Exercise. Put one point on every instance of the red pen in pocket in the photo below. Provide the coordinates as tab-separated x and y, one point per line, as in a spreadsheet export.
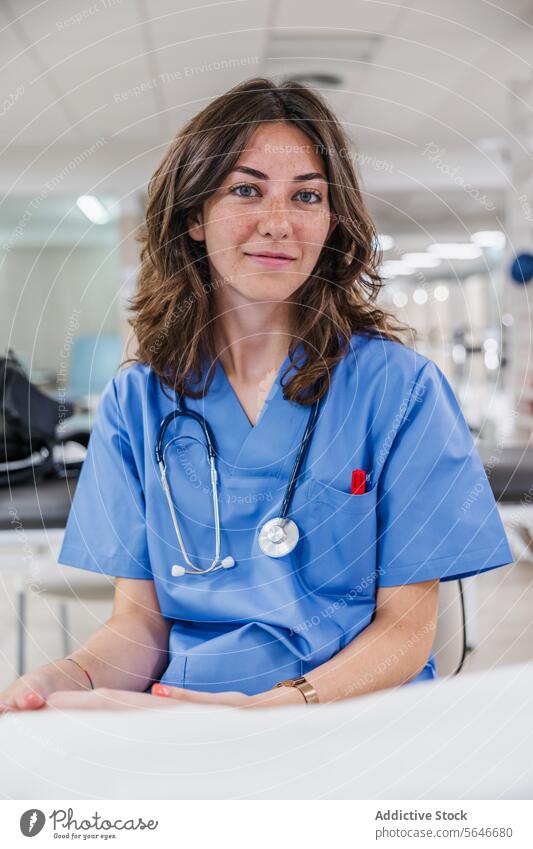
358	482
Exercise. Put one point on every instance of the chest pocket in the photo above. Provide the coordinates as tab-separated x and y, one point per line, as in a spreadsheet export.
339	547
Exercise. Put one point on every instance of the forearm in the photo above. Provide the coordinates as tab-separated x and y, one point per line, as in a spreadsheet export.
128	652
386	654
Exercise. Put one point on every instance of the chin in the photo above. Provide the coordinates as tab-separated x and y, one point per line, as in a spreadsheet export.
265	292
270	286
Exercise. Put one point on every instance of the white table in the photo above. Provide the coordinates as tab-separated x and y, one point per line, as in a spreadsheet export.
466	738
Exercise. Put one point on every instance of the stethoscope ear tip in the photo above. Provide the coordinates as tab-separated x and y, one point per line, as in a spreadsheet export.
227	562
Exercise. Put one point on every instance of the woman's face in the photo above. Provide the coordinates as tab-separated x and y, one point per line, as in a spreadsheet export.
266	224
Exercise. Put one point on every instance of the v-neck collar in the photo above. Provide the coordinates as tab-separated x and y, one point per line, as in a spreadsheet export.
266	448
239	409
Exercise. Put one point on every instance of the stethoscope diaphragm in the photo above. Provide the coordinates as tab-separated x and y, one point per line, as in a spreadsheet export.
278	537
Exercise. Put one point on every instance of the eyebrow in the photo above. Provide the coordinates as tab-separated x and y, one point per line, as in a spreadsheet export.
313	175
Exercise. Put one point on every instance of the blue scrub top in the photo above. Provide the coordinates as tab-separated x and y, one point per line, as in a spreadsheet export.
428	511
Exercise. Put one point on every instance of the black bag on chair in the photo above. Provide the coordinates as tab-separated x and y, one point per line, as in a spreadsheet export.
28	420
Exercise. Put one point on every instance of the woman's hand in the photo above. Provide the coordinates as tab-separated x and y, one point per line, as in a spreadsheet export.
31	691
181	694
278	697
162	696
106	698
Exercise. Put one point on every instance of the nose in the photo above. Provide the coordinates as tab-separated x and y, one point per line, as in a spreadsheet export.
274	222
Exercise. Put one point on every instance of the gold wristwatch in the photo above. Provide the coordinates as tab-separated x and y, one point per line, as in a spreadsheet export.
306	689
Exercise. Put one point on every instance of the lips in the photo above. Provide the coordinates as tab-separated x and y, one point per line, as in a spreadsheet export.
270	255
271	260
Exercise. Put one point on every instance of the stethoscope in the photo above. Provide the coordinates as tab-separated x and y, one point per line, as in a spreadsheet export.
277	537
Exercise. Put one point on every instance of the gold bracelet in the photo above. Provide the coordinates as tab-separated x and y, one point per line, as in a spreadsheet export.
302	684
82	669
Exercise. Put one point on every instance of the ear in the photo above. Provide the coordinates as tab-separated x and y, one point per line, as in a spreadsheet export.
196	227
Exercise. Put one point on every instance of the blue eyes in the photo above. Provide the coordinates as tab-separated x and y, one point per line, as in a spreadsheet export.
309	192
312	194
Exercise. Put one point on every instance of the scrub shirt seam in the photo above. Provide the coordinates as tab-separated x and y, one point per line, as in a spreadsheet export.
404	419
122	557
430	560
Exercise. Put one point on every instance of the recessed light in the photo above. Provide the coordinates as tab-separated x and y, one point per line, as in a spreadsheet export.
400	299
421	260
93	209
420	296
384	242
455	250
394	267
489	239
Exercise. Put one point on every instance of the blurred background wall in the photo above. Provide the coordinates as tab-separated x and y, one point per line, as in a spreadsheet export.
436	100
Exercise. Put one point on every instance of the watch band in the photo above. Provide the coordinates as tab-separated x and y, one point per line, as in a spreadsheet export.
302	684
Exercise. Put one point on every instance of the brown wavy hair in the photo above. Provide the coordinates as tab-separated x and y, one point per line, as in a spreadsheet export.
173	316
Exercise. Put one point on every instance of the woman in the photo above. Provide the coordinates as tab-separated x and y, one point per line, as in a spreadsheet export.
256	309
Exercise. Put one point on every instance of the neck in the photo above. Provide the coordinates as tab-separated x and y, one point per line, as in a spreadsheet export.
252	339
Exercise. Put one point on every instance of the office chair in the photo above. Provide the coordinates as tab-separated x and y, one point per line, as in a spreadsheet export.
450	645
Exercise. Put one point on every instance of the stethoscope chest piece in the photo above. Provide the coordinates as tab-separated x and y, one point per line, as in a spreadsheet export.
278	537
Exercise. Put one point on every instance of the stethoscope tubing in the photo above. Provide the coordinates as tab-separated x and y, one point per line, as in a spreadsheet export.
302	451
210	445
182	411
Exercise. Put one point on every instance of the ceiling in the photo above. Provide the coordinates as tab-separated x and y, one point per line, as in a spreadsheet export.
95	91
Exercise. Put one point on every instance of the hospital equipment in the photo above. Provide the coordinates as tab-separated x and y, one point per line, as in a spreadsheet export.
278	537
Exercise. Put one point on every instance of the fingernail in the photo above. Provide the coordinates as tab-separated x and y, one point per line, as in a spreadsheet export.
33	699
160	690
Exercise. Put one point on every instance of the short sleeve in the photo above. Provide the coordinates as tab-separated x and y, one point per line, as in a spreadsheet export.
106	527
436	514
